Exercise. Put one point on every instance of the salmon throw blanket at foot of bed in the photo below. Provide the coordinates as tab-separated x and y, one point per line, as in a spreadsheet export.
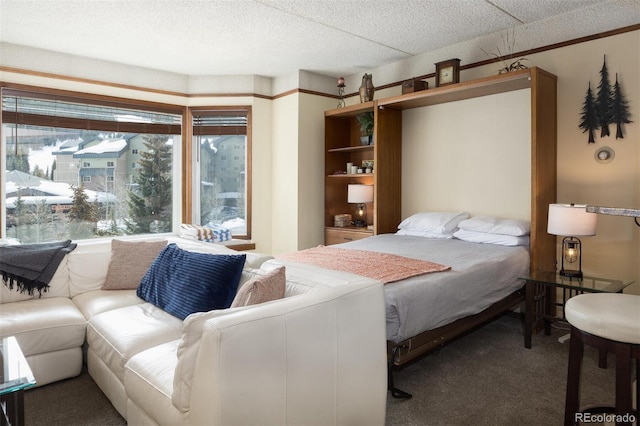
371	264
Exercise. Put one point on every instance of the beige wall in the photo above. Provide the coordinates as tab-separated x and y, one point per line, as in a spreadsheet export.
311	173
615	250
284	224
298	178
472	155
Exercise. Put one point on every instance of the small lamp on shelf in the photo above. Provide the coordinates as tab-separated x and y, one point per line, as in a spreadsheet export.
360	195
571	221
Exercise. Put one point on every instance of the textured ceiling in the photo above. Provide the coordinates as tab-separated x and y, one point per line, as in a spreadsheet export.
274	38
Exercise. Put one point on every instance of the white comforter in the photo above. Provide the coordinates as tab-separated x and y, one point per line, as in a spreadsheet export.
481	275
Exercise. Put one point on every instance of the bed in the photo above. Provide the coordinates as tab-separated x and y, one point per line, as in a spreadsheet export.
501	163
426	310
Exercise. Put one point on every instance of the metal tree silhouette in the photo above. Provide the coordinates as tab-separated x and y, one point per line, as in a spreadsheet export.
589	118
603	103
619	109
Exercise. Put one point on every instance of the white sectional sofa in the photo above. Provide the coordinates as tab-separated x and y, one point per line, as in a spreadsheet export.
318	356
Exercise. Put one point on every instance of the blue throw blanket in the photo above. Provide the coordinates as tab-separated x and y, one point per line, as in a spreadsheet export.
30	267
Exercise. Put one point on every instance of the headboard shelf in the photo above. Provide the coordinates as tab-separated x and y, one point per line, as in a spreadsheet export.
491	85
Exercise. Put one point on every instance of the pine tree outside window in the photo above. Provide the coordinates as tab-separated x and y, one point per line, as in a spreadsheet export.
82	149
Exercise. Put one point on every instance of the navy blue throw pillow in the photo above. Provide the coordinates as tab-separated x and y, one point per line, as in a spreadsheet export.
182	282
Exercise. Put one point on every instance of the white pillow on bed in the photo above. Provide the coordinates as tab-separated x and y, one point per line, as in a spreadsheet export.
487	238
496	225
424	234
433	222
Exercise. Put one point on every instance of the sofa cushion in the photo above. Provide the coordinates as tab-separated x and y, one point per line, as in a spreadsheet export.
117	335
148	380
88	265
130	260
262	289
43	325
182	282
97	301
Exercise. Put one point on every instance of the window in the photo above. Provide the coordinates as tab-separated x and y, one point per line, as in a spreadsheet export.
64	164
222	182
134	151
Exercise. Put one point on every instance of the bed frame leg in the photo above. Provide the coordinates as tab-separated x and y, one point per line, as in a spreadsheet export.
395	392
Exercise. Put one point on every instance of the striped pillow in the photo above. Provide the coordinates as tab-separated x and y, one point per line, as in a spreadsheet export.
182	282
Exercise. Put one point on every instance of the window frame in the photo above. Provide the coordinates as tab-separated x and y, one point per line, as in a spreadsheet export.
180	167
191	154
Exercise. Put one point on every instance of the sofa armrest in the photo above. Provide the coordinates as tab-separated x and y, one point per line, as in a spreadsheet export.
315	358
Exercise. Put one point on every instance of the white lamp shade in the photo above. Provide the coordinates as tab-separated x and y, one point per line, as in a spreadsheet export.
360	194
571	220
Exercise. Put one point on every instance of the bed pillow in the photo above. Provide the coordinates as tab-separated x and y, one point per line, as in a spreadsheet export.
425	234
483	237
434	222
496	225
130	260
261	289
182	282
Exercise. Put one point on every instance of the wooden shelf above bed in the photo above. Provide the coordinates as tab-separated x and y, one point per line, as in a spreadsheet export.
492	85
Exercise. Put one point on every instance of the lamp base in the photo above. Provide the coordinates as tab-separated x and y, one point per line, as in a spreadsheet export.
571	273
359	223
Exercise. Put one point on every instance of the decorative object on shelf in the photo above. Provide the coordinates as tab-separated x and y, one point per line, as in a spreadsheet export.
365	120
507	54
366	88
341	86
367	164
342	220
414	85
571	221
607	107
447	72
589	116
360	195
604	155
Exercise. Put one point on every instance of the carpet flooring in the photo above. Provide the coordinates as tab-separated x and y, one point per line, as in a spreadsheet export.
484	378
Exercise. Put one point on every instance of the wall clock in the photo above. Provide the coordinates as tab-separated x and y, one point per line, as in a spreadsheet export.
447	72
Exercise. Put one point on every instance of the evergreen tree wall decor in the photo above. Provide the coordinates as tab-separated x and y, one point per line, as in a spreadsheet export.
589	119
603	102
607	107
619	109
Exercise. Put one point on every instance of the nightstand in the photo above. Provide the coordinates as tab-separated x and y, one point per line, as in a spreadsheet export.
540	300
336	235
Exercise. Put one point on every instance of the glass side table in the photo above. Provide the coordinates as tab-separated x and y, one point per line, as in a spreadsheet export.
540	297
15	377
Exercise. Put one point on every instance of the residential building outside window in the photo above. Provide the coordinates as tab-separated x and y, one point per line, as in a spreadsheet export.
55	143
222	183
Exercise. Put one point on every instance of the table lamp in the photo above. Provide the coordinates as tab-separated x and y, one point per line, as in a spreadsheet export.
360	195
571	221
